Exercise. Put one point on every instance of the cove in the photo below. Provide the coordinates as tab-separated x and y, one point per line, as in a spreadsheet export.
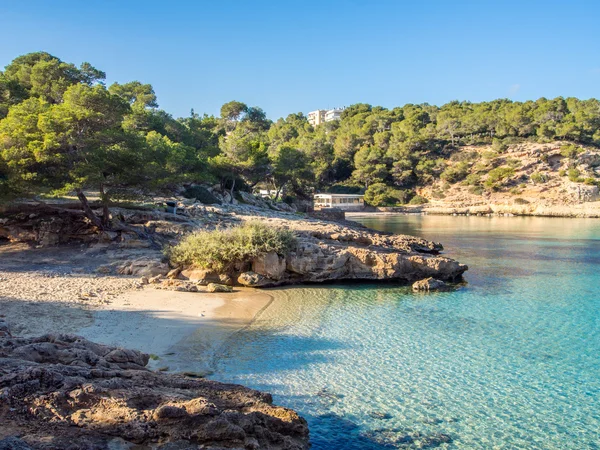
510	359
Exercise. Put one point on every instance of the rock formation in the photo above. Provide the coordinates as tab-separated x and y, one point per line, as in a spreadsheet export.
62	391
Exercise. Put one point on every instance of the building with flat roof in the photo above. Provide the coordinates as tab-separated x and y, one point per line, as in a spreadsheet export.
316	117
324	115
333	114
346	202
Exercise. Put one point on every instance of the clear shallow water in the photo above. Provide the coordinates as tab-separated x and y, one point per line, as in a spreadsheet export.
511	360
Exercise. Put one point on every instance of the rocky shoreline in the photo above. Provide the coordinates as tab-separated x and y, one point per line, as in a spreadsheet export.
325	251
62	391
584	210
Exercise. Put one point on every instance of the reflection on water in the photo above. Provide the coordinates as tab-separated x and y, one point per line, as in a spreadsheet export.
511	360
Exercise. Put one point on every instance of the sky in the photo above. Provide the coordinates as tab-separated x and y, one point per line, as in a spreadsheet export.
298	56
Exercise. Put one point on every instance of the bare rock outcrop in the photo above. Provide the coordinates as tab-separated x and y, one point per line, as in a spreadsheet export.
428	284
318	260
62	391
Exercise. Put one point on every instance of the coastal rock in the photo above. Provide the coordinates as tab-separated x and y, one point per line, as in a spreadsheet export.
144	267
174	273
271	265
428	284
62	391
215	287
201	276
253	279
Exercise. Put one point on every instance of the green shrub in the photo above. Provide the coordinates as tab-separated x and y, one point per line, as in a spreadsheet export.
499	146
220	250
521	201
562	172
538	178
473	179
477	190
512	162
380	194
455	173
437	193
570	151
573	175
418	200
591	181
496	177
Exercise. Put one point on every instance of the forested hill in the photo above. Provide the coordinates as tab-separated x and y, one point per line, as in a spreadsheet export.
63	130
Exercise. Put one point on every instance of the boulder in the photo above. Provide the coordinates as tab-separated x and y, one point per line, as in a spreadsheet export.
174	273
271	265
144	267
428	284
253	279
201	276
215	287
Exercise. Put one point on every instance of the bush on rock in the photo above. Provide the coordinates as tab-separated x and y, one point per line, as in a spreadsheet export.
220	250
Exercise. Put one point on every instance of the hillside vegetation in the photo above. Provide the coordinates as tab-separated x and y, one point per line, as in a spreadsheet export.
63	130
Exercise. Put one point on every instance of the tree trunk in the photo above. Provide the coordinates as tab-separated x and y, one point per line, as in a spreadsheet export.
87	210
232	186
279	191
105	211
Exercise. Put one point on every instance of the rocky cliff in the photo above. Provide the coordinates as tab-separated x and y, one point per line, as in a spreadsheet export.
62	391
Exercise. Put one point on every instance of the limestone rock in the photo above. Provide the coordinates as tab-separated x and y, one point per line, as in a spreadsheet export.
428	284
271	265
174	273
62	391
253	279
144	267
201	276
215	287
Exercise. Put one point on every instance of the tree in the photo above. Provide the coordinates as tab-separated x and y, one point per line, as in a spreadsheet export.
290	166
370	166
138	95
232	111
74	145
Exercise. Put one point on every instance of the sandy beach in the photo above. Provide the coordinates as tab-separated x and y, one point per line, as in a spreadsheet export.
44	291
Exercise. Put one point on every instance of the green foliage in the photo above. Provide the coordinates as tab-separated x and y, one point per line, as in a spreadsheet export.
340	188
521	201
379	194
455	173
570	151
221	250
538	178
573	175
472	179
498	176
62	129
418	200
477	190
499	146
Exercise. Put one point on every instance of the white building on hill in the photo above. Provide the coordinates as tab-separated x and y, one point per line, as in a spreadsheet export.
324	115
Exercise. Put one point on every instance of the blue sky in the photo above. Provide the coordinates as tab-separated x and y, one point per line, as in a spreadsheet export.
291	56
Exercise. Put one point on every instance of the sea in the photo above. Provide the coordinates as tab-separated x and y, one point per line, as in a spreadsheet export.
507	359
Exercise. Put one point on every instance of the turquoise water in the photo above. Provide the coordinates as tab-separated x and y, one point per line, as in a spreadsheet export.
510	360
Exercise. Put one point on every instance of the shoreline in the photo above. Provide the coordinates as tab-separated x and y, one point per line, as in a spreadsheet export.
488	211
180	330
